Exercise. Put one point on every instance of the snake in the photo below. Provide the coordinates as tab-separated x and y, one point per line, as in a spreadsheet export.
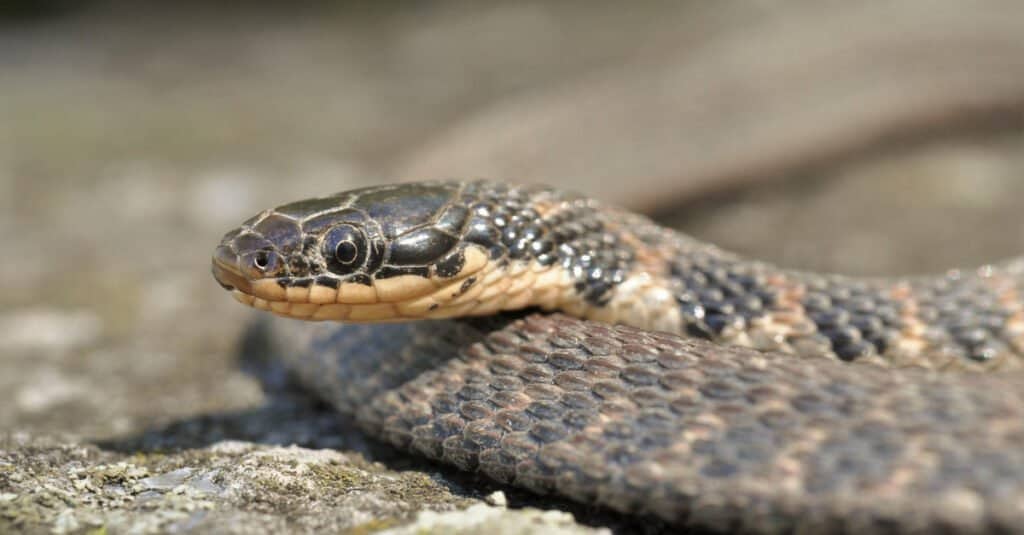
559	344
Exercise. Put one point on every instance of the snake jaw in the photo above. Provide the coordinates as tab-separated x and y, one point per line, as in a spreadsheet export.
396	298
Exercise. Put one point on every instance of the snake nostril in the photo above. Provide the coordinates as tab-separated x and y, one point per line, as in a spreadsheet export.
261	260
258	264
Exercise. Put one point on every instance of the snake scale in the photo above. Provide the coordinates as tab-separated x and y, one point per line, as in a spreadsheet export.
646	371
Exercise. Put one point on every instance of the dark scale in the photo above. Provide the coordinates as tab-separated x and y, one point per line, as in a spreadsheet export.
716	292
504	221
967	317
859	319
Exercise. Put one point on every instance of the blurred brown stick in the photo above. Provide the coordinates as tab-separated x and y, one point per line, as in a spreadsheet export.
803	88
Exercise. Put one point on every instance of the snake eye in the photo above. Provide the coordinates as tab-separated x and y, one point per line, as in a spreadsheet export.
346	252
344	249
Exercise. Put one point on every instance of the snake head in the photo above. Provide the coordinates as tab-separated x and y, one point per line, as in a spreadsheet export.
375	254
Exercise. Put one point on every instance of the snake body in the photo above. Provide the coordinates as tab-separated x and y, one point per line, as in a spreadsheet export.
669	377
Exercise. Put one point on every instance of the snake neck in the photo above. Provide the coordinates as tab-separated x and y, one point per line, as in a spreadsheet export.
605	264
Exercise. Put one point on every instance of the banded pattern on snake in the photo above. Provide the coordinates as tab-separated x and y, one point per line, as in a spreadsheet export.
645	392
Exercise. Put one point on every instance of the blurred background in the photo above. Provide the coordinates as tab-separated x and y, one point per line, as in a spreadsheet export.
867	139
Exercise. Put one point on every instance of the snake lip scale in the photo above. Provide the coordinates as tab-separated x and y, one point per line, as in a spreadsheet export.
668	376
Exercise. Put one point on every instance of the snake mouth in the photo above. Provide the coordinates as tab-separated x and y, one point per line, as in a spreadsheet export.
227	272
394	298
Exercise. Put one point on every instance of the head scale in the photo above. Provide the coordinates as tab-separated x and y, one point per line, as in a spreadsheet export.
371	254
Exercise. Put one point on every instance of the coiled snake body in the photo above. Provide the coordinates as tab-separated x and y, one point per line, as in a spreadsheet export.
669	377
